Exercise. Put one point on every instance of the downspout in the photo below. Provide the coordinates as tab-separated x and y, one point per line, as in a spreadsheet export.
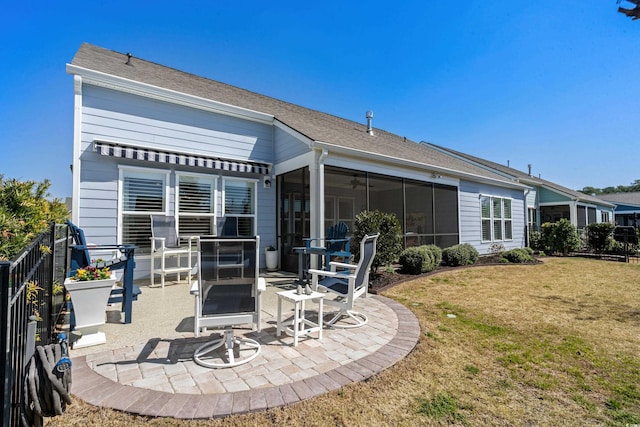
316	177
527	232
77	141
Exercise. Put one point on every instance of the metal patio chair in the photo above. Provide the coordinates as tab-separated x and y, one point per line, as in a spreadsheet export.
348	285
227	293
166	244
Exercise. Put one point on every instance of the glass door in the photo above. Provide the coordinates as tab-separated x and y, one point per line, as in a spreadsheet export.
293	190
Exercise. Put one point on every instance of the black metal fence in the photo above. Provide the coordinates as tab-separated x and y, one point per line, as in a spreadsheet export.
31	286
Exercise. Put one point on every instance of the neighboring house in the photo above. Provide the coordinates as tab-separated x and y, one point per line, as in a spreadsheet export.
627	210
546	200
152	139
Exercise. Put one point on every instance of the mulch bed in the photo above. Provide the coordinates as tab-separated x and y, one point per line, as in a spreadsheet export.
383	280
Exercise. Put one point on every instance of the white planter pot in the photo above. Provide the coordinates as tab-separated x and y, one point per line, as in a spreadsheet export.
89	299
271	259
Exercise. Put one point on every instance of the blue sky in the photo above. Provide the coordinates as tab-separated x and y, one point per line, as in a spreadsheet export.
555	84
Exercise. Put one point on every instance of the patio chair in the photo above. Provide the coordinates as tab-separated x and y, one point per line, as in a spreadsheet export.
227	226
166	244
227	294
119	257
348	285
335	244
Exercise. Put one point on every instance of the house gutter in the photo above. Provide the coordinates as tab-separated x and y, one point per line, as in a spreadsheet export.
413	164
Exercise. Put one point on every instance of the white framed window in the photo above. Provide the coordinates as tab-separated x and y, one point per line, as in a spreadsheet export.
195	204
239	201
485	209
142	192
604	216
496	218
507	220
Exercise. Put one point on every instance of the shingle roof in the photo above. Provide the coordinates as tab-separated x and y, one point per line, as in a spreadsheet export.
524	177
622	198
316	125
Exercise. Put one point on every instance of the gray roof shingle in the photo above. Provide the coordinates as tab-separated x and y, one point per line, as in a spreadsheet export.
316	125
632	198
525	177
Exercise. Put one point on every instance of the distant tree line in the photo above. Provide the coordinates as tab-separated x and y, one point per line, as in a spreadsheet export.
635	186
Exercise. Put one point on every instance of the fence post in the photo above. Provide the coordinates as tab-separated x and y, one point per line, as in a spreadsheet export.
5	368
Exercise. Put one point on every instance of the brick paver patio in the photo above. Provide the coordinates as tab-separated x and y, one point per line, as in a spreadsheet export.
159	378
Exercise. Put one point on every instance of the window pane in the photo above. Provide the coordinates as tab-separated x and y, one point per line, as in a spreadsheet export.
136	230
143	194
507	208
497	207
245	226
507	230
195	226
485	207
486	229
195	194
239	197
497	230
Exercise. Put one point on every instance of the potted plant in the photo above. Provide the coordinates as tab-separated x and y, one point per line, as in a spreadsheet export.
89	290
271	258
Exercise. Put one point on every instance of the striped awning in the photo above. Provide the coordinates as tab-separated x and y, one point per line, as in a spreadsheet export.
172	158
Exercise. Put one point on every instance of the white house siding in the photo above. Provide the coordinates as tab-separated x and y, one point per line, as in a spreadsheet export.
130	119
470	216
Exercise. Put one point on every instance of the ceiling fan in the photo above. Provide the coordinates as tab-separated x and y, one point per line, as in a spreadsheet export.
355	182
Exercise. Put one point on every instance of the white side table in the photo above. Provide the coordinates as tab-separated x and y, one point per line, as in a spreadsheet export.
301	325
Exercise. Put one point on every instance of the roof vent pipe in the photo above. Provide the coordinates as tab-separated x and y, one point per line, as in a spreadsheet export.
529	166
369	117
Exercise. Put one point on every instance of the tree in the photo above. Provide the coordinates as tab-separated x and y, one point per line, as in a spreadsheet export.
633	13
25	212
591	190
635	186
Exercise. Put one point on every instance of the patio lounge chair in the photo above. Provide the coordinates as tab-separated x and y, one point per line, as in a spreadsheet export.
334	244
349	284
165	244
227	294
120	257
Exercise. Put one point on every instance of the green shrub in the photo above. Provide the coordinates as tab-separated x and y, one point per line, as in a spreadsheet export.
436	252
463	254
536	241
517	256
389	244
599	236
473	253
560	236
25	212
417	260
